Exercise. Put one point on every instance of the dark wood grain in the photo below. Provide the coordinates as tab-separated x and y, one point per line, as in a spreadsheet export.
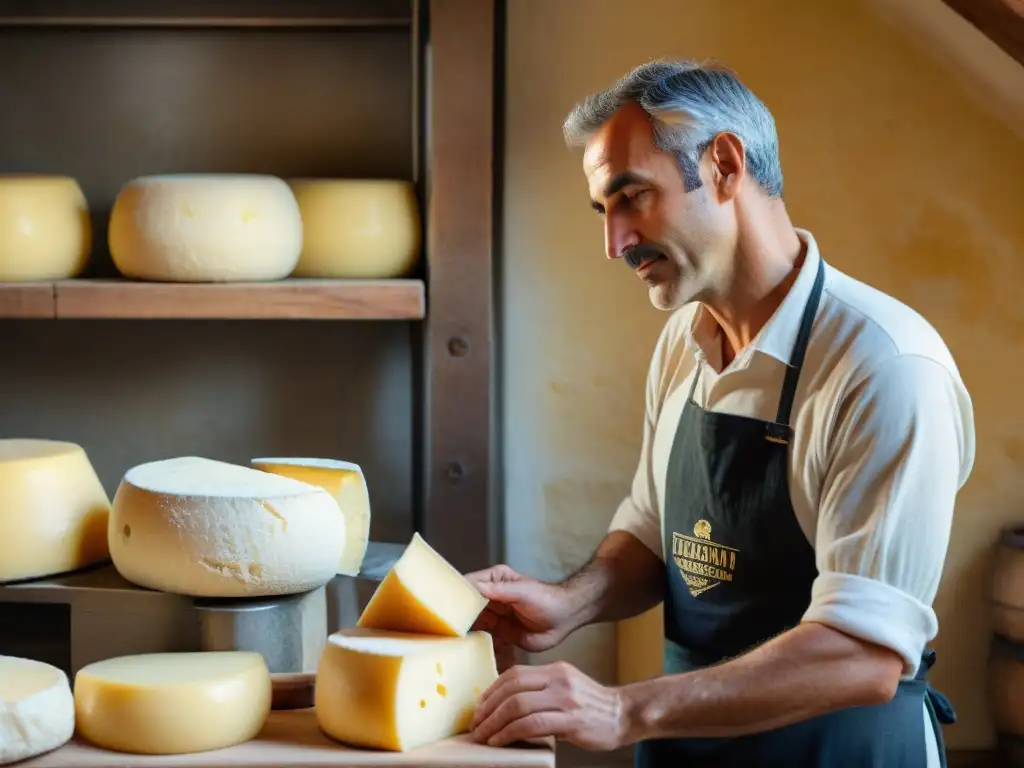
1001	20
33	301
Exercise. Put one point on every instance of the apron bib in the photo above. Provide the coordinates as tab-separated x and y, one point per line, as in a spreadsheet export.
739	571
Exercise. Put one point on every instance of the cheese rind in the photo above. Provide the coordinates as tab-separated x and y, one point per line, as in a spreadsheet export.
346	483
358	228
45	229
37	711
205	228
173	703
53	509
397	691
423	593
195	526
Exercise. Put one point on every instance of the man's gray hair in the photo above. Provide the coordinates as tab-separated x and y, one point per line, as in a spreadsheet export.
689	102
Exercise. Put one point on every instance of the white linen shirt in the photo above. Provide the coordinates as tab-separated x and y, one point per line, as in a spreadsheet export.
883	439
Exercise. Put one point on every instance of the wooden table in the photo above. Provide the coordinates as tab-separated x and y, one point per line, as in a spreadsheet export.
292	739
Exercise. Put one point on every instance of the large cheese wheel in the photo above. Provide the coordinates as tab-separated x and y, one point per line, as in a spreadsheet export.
395	691
45	231
206	528
173	703
205	228
53	509
37	711
346	483
358	228
423	593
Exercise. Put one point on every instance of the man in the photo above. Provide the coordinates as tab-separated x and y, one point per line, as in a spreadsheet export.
804	442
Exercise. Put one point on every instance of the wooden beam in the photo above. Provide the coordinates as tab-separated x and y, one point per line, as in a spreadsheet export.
457	515
1002	21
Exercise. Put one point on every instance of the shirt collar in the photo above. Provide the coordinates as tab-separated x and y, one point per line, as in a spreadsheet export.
777	336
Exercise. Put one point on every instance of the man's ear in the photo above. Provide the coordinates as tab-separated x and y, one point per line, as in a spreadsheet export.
727	157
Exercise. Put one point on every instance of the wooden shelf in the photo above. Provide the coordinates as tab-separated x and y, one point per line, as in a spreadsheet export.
291	299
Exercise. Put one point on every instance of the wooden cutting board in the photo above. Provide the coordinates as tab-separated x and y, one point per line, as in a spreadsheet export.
292	738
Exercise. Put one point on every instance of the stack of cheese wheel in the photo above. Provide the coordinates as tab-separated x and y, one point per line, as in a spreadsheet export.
412	670
358	228
45	231
199	527
196	228
53	510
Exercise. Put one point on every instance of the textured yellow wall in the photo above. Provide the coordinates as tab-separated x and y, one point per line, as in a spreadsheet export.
903	152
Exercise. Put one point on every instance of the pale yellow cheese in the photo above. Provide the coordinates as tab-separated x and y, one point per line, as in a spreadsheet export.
205	228
346	483
45	230
195	526
173	703
358	228
423	593
37	712
53	509
395	691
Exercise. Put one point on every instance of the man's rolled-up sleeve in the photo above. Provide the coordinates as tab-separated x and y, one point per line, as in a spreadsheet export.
901	447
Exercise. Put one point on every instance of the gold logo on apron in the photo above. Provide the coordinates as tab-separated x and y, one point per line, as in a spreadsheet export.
702	563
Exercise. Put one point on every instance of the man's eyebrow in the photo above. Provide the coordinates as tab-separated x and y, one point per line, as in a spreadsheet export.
618	182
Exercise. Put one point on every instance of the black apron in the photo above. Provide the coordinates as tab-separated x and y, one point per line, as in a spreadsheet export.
739	571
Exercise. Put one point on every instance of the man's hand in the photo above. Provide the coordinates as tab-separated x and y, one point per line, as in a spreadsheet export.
551	700
522	612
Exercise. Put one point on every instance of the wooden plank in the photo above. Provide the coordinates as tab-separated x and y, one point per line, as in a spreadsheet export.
457	515
33	301
1002	21
284	300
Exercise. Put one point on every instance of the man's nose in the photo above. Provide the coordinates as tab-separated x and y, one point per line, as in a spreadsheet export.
618	238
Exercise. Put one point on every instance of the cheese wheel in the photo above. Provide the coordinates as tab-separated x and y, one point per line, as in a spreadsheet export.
194	526
423	593
37	711
53	510
345	482
45	231
205	228
396	691
173	703
357	228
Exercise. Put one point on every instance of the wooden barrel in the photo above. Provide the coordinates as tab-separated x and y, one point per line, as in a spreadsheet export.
1006	657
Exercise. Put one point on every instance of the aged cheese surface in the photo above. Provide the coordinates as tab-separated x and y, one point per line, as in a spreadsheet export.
346	483
396	691
45	230
53	509
205	228
195	526
423	593
357	228
173	703
37	711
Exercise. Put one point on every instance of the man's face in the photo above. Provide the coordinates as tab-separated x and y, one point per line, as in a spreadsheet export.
669	237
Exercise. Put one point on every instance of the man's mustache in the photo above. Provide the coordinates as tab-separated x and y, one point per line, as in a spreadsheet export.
638	254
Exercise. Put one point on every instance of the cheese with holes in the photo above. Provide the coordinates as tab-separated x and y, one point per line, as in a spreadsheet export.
53	509
423	593
397	691
346	483
45	230
358	228
37	711
206	528
205	228
173	703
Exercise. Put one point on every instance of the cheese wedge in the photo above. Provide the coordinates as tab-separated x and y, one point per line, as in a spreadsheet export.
37	711
173	703
423	593
345	482
53	510
205	528
395	691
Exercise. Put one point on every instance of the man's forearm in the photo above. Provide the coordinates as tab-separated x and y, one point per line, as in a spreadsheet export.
803	673
623	579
